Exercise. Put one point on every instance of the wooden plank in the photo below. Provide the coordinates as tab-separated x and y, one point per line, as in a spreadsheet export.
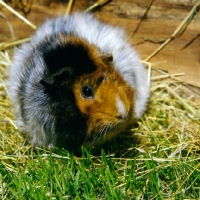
164	16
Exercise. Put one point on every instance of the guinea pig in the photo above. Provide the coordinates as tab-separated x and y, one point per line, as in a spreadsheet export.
78	82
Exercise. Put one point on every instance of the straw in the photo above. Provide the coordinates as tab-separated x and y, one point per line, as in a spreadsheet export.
69	7
184	23
97	4
18	15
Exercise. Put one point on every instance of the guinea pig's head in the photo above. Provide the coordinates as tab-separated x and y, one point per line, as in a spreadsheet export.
105	99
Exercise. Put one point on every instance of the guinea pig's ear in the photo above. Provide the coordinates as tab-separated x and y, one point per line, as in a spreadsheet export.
107	57
60	75
47	81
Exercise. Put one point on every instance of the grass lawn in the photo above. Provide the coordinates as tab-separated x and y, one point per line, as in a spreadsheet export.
157	159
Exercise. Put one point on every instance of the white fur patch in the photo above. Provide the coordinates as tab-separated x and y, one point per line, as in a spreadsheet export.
121	108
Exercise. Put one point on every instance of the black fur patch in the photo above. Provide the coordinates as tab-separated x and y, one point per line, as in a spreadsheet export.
65	63
58	56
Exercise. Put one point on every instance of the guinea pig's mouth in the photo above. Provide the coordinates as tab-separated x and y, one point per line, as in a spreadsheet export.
102	129
107	129
104	134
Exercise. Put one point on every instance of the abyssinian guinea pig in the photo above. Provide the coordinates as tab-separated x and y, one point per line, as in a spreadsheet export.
77	82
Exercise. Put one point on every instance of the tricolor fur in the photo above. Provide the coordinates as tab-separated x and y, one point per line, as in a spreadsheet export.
77	81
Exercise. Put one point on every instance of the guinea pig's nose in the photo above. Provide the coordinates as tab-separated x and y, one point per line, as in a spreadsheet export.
122	116
122	109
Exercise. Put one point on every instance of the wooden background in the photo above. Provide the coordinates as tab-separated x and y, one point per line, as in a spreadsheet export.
145	32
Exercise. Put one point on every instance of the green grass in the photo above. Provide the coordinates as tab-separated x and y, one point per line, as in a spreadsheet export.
104	177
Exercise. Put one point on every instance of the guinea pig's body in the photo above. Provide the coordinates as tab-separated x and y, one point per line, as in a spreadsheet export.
76	82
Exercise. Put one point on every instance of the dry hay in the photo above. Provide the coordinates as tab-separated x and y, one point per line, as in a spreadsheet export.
171	123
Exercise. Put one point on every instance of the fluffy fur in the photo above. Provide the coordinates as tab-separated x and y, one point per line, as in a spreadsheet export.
67	58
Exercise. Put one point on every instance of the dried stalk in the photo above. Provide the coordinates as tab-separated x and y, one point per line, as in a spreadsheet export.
98	3
69	7
154	78
18	15
4	46
186	105
186	21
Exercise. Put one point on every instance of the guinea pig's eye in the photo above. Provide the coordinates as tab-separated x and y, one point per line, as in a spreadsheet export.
87	92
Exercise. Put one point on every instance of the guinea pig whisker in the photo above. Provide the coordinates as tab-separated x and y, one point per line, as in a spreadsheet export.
107	129
101	131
